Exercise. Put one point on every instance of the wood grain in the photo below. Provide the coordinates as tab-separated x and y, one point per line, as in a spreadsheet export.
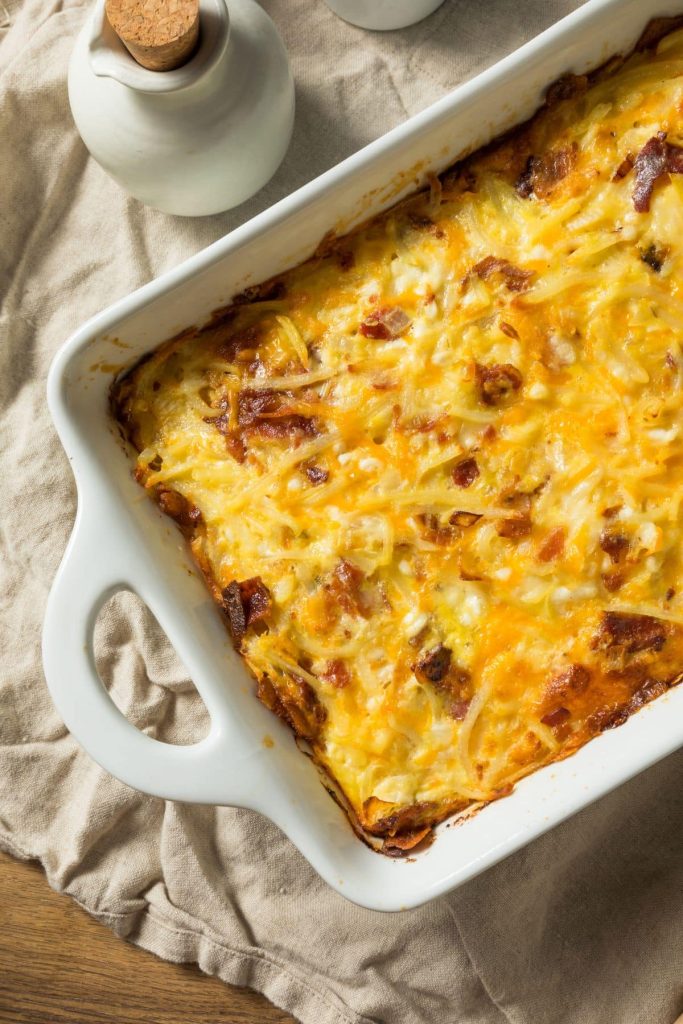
59	966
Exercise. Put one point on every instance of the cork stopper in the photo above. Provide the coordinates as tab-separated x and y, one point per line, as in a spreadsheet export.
159	34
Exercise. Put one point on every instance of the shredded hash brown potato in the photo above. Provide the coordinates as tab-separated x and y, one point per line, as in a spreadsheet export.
433	475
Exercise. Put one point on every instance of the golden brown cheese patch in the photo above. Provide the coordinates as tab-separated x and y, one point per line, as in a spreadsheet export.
431	476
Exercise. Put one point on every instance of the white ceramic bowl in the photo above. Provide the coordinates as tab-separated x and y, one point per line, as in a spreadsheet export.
120	540
383	14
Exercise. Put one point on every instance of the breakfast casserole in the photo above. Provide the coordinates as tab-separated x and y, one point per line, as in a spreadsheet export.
431	476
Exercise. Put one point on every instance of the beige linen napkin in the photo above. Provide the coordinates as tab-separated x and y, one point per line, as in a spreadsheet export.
586	925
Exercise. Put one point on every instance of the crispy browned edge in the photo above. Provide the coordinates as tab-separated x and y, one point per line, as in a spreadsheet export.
411	829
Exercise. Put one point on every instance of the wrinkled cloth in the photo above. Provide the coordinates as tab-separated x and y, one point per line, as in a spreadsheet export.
585	926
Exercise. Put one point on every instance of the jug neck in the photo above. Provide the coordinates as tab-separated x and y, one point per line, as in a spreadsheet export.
109	58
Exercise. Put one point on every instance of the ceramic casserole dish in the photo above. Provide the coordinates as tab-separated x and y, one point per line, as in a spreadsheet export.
121	542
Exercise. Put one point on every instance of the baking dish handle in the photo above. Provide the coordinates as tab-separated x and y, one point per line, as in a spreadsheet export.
207	772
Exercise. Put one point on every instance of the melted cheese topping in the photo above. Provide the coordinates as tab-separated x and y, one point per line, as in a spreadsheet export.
331	457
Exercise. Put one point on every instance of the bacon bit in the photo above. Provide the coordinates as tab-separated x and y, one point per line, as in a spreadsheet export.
237	448
514	529
344	588
670	594
607	718
556	717
248	338
631	633
434	530
613	581
256	600
465	473
264	413
489	434
407	819
553	546
615	545
317	475
542	173
524	186
298	705
267	413
396	846
175	505
385	323
624	168
516	279
464	519
649	690
565	88
348	574
252	405
307	701
573	680
244	604
612	511
221	423
433	667
508	329
337	673
234	609
437	668
657	158
654	256
497	382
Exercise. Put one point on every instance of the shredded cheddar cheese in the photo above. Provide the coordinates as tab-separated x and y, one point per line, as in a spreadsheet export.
433	476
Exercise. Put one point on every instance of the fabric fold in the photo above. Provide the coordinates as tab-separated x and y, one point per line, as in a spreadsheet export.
585	926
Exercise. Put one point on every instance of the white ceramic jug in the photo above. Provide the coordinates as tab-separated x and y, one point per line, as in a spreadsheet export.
196	140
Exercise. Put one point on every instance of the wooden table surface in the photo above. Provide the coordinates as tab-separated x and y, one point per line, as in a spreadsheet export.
59	966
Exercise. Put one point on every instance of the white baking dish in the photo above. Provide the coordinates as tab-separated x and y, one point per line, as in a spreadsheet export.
120	540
